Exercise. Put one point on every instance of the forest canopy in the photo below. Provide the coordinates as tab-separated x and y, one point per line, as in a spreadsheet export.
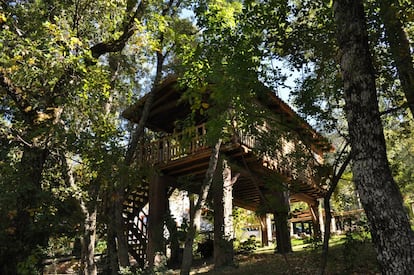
68	69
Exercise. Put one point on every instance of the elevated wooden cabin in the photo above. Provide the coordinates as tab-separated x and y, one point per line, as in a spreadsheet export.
175	159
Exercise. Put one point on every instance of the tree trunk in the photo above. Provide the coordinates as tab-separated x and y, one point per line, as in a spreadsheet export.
89	210
223	219
380	196
399	47
189	242
88	243
328	215
28	235
283	244
121	239
111	250
208	179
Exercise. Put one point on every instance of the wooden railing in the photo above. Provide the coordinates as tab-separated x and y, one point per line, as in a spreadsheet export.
192	140
174	146
280	162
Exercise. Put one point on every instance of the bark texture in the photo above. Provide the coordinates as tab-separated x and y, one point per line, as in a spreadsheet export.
283	244
380	196
223	219
88	243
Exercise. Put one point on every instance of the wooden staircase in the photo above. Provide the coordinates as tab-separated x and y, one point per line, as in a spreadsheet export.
135	214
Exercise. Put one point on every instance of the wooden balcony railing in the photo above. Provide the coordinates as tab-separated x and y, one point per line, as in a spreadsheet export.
192	140
173	147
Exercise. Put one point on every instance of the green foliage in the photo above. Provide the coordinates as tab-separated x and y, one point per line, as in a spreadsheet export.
160	268
59	99
66	101
60	246
313	243
228	57
351	251
243	218
345	197
400	144
30	265
248	246
299	206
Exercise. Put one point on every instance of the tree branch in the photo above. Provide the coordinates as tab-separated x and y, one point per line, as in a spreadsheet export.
393	110
128	30
17	95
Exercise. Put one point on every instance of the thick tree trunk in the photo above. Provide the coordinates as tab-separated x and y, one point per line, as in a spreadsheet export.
121	238
283	244
208	179
380	196
88	243
223	219
281	212
399	47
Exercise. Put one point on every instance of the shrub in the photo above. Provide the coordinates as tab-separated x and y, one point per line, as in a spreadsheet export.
248	246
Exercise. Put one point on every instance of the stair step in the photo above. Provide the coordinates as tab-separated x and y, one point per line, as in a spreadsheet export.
136	228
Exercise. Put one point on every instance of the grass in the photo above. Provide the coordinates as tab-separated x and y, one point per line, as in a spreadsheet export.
345	257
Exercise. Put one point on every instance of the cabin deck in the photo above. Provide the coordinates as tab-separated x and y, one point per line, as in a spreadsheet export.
186	154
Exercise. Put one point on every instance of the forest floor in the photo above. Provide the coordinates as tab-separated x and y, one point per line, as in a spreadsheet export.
345	257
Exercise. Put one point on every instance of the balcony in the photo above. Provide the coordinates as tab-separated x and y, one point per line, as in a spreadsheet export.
191	144
173	147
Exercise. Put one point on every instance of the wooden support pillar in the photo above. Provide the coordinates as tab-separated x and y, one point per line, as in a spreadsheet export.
269	229
223	218
321	216
264	230
314	209
333	225
283	243
157	210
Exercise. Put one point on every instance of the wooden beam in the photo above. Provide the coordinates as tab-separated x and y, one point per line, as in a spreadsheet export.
305	198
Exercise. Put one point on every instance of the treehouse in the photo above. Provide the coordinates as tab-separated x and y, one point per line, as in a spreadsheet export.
265	182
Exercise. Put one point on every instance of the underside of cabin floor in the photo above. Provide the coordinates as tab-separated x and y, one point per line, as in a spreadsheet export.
255	182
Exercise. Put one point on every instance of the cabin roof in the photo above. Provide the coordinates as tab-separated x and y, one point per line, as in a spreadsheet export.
167	108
